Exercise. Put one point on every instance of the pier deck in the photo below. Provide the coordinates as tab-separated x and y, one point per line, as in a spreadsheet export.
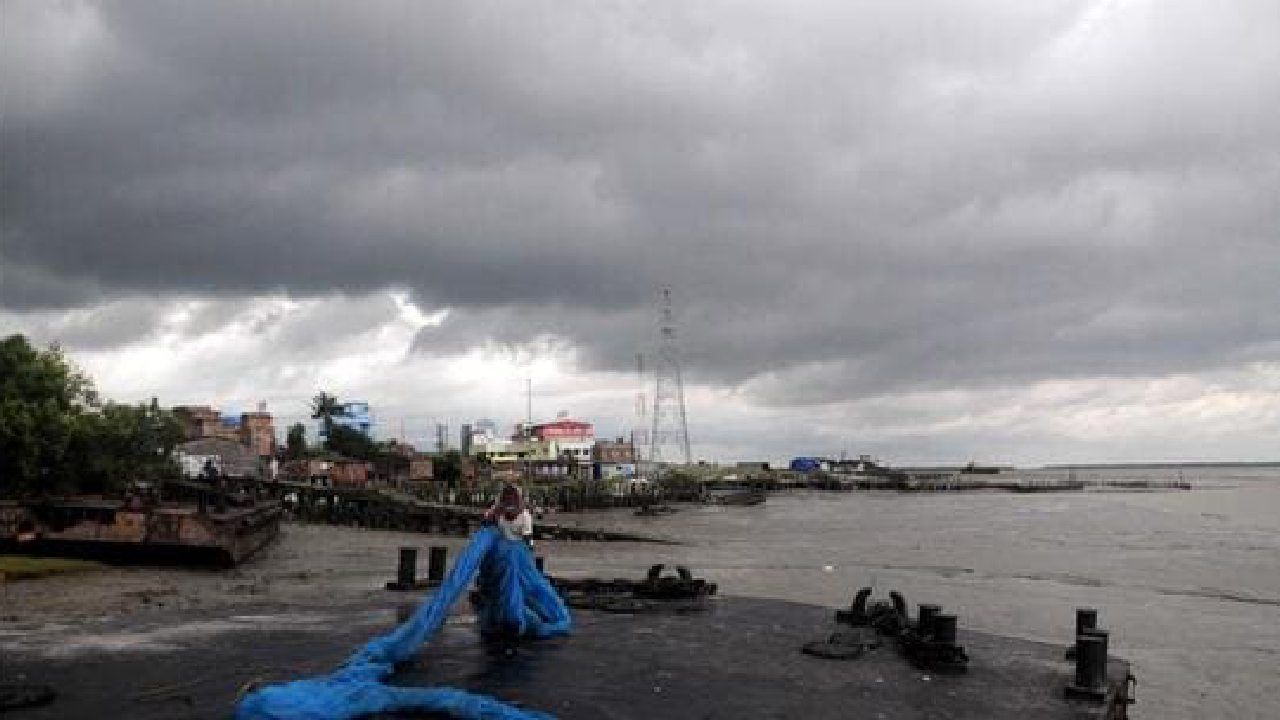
740	659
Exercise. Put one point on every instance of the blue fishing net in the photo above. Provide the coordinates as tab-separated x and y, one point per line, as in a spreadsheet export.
515	596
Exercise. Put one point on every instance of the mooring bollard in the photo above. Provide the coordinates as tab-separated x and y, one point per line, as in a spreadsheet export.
928	614
931	641
1091	666
1086	619
437	560
540	563
944	629
406	570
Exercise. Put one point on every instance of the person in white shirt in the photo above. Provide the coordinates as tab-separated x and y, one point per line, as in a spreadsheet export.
511	515
513	519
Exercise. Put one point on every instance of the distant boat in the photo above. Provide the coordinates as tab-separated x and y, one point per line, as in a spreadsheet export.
863	467
737	497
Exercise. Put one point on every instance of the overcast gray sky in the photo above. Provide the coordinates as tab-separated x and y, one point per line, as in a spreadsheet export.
934	231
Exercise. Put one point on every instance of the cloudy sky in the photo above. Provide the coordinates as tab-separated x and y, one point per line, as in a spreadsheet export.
998	230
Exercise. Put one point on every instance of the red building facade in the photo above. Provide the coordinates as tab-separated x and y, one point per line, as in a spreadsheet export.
564	430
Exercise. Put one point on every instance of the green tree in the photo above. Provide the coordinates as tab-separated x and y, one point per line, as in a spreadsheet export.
55	437
42	399
448	467
296	442
340	439
351	443
325	407
120	442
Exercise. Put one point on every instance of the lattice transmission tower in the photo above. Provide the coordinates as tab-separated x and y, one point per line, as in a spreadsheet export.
640	430
669	433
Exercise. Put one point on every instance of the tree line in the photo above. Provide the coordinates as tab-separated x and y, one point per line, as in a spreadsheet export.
58	436
340	439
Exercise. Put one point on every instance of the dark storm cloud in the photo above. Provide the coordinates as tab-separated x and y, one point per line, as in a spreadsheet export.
848	200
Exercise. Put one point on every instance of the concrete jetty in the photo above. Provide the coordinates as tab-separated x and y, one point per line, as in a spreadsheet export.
740	658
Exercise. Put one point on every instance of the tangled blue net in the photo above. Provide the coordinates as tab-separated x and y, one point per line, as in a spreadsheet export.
519	598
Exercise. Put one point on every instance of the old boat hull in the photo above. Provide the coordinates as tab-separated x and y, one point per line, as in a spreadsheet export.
115	534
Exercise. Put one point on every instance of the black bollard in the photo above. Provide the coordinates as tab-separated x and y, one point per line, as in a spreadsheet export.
437	559
931	643
1097	632
944	629
1086	619
540	563
406	570
1091	666
928	612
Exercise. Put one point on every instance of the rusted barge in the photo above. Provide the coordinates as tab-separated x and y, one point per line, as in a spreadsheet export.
128	532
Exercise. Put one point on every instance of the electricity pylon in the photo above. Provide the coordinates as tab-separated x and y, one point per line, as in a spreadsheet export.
669	436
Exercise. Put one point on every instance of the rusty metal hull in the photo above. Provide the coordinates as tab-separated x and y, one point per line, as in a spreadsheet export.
113	533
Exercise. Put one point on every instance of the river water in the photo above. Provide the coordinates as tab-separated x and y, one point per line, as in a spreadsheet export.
1188	583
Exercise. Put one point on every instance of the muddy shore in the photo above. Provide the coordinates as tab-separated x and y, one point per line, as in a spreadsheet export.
308	567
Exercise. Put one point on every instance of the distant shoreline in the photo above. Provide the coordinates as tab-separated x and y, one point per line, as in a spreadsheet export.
1161	466
1096	466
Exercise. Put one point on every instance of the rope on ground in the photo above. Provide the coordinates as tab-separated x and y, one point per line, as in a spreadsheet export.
526	604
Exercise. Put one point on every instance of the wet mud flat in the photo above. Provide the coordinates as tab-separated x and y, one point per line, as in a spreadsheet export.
738	658
310	568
